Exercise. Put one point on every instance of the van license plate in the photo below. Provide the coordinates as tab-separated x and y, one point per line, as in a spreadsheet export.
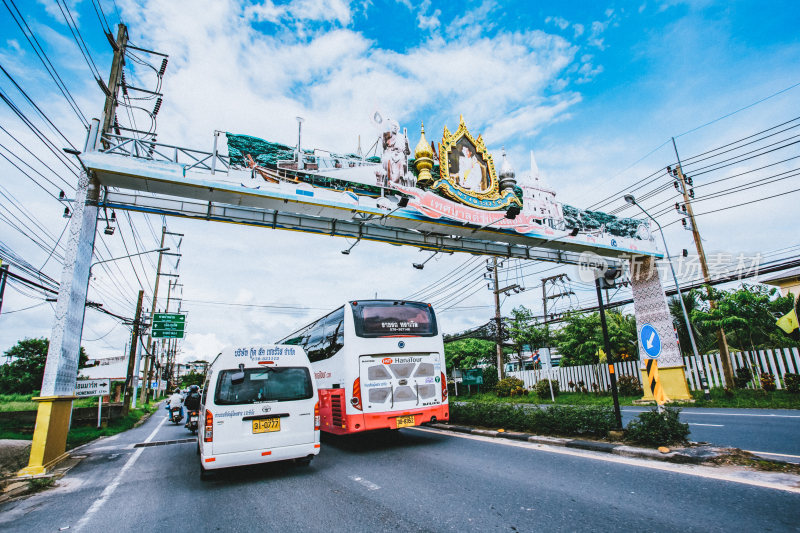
267	424
405	421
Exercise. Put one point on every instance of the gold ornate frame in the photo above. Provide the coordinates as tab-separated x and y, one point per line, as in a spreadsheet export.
448	144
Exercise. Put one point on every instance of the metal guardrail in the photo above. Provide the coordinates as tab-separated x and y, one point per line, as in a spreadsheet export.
154	151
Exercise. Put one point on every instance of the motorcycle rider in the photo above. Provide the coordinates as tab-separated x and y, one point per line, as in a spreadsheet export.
192	401
176	400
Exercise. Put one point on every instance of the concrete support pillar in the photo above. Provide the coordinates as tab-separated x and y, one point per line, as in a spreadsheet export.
61	369
650	307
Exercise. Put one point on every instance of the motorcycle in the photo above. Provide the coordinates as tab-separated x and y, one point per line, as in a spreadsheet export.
192	422
175	415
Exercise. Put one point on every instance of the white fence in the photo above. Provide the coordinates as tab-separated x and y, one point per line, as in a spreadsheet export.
777	362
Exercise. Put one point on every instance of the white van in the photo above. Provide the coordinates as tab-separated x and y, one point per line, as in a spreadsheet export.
259	404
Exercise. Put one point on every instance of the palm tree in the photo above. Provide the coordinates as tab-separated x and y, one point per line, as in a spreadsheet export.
706	339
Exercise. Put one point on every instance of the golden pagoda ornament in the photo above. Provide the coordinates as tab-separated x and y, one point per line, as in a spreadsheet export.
423	161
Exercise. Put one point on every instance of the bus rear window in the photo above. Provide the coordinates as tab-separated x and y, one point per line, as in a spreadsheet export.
385	319
264	385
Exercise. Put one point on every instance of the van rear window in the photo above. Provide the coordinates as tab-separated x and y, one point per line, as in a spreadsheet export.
282	384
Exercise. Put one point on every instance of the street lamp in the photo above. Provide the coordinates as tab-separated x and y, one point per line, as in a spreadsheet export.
704	382
124	257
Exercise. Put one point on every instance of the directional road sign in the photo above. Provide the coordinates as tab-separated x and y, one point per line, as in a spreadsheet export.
92	387
168	325
650	340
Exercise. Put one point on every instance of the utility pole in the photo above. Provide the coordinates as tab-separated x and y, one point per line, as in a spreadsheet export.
114	80
132	355
148	362
545	296
498	322
3	277
722	341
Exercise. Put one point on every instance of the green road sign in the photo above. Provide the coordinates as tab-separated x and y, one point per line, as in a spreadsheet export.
168	325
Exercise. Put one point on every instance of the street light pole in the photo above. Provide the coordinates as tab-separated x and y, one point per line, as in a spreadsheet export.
703	381
609	356
123	257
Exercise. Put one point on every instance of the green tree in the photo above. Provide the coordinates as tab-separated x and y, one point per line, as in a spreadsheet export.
580	340
524	329
704	336
467	353
622	335
192	378
25	368
748	316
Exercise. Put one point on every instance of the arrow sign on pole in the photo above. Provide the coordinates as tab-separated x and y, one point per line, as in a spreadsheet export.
651	342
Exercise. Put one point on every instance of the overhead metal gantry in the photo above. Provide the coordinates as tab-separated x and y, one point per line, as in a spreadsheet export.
169	180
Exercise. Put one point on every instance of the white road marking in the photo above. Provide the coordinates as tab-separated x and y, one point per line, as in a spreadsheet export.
369	484
111	487
784	482
718	414
709	425
775	454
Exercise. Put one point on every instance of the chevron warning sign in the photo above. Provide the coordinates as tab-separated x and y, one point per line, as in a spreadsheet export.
653	382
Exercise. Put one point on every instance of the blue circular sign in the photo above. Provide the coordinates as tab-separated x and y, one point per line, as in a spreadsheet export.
401	344
651	342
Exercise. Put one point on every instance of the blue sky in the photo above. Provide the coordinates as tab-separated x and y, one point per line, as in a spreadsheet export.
596	89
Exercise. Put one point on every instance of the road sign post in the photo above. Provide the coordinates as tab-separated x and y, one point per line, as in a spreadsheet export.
168	325
85	388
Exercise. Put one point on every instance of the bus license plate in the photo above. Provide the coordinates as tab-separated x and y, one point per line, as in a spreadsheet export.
266	425
405	421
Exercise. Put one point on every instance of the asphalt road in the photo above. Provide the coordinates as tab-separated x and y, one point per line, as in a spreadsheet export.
412	480
773	433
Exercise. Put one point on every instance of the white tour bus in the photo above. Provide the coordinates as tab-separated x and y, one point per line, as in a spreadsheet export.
259	404
379	364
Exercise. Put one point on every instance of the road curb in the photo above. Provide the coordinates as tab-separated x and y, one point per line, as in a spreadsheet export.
694	455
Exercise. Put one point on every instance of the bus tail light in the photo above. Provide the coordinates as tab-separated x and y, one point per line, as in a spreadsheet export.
209	433
356	399
444	387
316	417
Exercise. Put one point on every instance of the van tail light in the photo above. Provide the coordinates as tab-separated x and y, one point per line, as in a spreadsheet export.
316	416
444	388
209	432
356	399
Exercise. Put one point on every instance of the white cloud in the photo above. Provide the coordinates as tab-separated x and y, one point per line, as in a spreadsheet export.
559	22
301	10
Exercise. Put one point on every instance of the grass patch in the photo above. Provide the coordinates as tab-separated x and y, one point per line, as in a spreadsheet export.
741	398
24	402
743	458
80	434
746	399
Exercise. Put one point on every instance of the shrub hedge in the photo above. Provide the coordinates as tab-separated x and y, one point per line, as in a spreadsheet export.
562	420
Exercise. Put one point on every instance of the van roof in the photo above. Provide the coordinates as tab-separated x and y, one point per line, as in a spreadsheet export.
262	354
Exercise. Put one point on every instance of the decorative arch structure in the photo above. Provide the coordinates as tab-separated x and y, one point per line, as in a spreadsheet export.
394	199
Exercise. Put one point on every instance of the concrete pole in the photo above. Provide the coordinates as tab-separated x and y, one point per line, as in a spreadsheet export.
61	367
722	341
498	323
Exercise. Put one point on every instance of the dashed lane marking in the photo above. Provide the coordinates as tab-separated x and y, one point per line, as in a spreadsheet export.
368	484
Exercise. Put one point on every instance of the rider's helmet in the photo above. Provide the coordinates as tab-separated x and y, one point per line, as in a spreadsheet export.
194	388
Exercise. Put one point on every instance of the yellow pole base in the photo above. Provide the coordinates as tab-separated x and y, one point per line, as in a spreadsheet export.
673	381
50	435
